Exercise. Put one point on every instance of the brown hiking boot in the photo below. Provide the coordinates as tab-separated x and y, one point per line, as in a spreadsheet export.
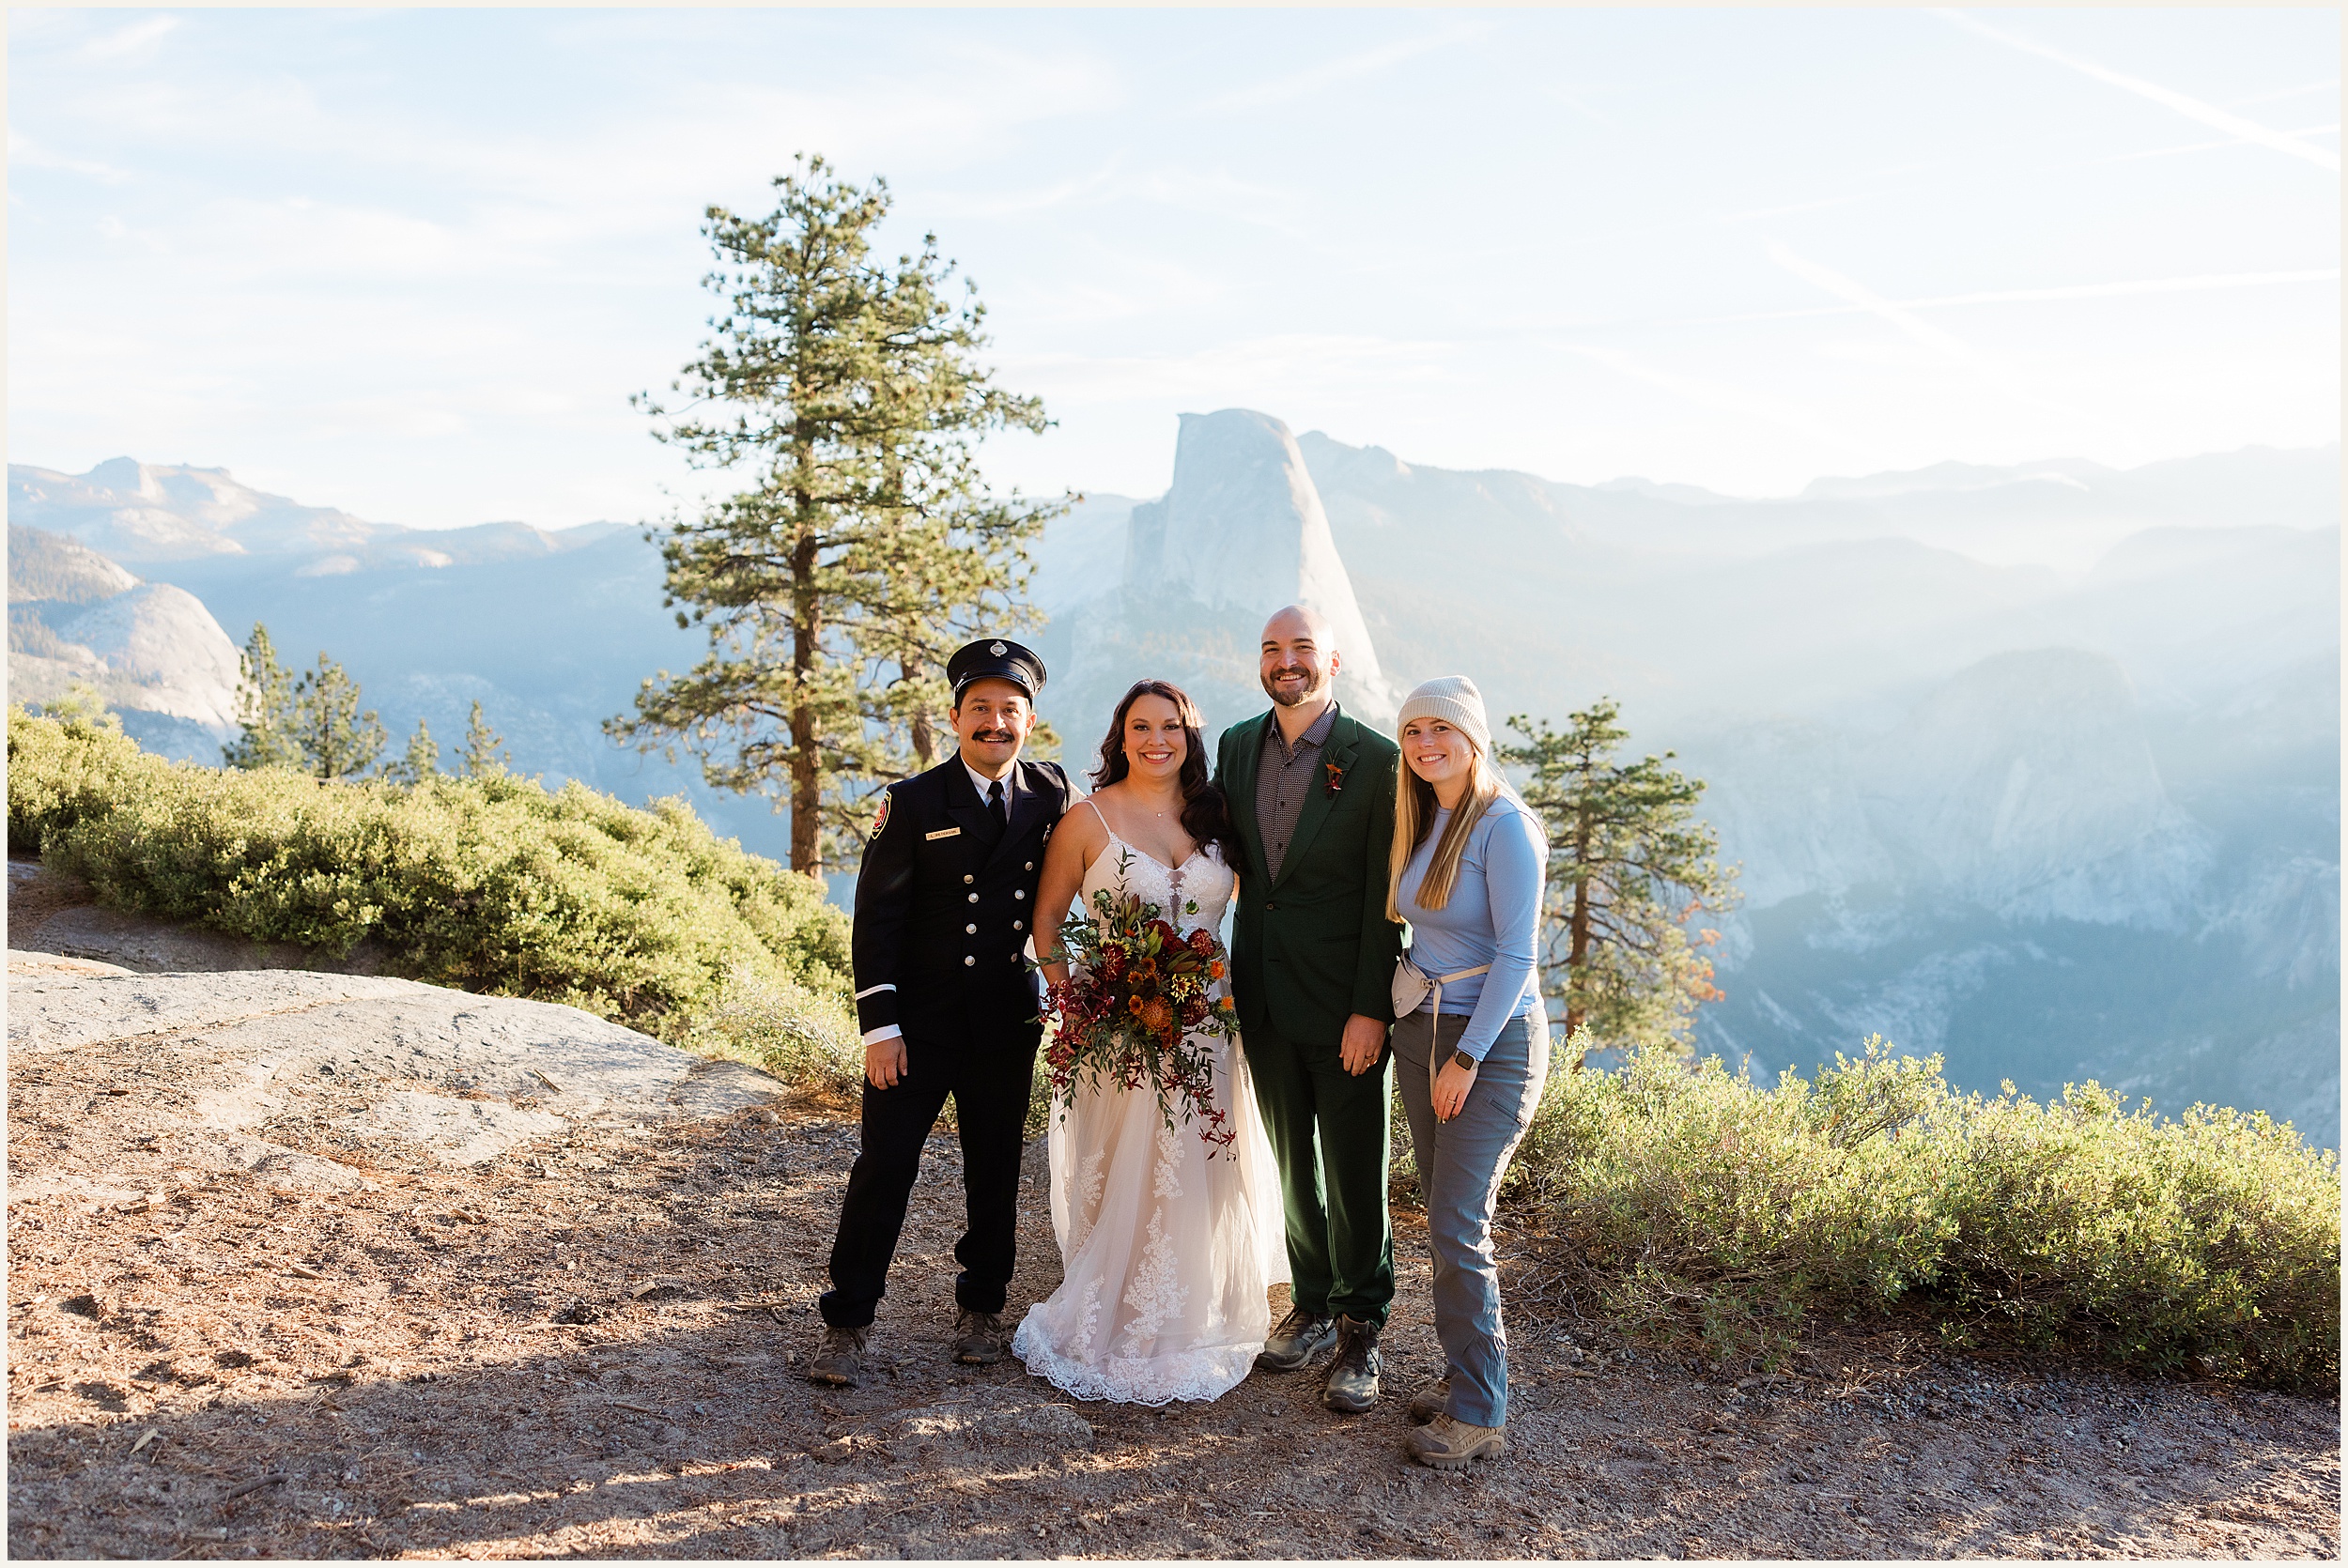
1352	1386
1445	1444
981	1338
840	1358
1429	1402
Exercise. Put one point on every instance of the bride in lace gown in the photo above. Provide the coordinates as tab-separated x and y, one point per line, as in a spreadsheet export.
1167	1254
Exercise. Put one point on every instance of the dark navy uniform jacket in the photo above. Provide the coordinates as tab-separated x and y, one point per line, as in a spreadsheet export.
944	905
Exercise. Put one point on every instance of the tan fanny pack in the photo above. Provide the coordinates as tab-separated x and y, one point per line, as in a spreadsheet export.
1412	987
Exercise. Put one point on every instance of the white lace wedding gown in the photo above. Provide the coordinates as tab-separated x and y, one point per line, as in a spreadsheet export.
1167	1254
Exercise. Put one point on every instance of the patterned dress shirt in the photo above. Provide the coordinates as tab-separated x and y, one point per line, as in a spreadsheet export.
1285	776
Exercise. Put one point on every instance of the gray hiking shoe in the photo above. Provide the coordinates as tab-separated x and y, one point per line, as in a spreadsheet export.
840	1358
1300	1337
1352	1386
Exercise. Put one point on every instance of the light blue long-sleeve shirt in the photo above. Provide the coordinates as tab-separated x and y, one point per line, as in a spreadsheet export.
1492	917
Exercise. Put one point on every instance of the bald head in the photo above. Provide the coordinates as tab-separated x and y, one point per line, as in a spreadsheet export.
1290	621
1300	660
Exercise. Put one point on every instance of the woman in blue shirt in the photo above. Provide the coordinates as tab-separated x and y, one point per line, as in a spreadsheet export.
1466	872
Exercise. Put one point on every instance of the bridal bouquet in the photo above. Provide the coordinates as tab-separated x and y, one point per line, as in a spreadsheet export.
1138	993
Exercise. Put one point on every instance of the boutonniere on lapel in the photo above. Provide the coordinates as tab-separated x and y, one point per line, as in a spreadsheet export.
1336	777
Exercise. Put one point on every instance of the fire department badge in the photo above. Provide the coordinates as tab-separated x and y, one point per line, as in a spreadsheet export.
880	818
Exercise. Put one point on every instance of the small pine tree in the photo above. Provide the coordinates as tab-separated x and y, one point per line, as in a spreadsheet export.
1630	865
265	708
422	760
485	754
84	705
337	740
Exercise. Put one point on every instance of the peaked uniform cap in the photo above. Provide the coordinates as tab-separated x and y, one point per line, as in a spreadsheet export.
996	658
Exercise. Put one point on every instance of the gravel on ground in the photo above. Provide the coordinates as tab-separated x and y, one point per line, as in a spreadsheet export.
591	1343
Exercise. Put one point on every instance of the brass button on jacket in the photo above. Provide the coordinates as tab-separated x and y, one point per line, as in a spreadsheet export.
940	882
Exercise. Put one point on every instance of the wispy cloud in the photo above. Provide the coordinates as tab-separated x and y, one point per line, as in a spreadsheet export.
2192	108
1012	203
1818	205
123	42
2179	150
25	153
1904	320
1574	103
1271	369
2063	291
1858	297
1715	395
2329	84
1302	83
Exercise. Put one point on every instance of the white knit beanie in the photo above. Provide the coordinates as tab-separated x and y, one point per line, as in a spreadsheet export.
1454	699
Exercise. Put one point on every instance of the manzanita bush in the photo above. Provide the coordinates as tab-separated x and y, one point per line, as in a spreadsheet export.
1701	1200
492	885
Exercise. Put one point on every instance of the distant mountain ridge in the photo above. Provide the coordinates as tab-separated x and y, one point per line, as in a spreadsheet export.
148	514
2036	765
2024	801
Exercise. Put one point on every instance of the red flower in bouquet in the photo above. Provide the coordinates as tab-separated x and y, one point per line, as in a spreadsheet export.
1138	1004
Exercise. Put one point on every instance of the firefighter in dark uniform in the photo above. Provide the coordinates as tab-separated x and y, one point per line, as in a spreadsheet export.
944	905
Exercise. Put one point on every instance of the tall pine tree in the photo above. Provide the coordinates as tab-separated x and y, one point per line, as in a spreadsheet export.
866	547
1629	866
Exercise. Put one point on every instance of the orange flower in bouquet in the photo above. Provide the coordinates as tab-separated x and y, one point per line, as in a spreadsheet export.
1136	1007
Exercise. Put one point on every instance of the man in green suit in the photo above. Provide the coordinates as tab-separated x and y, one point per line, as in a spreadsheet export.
1311	795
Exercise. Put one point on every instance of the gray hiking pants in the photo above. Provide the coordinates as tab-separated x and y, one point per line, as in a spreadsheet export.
1459	1165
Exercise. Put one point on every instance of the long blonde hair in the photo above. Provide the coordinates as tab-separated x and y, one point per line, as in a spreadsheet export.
1415	810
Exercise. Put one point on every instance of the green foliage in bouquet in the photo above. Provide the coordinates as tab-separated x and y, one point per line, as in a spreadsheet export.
1139	993
490	884
1699	1200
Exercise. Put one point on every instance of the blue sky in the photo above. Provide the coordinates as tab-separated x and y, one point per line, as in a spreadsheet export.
413	262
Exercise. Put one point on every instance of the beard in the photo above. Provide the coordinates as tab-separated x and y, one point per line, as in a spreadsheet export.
1305	692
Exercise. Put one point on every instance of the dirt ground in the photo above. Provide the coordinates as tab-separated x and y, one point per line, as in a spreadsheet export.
220	1369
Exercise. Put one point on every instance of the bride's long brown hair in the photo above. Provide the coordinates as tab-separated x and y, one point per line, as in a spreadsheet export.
1206	816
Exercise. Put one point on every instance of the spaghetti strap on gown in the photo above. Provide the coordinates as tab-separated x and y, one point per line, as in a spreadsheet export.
1167	1254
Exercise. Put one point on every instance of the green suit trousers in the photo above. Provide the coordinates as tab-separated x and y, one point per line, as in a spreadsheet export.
1331	1133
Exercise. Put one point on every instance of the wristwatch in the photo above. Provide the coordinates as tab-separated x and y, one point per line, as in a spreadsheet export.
1461	1059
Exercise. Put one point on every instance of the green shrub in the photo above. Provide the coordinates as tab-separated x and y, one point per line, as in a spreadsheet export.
806	1037
62	771
491	885
1699	1200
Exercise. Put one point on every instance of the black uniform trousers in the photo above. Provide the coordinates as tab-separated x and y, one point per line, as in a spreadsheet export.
990	1085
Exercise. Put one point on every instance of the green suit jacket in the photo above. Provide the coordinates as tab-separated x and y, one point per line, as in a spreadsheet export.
1315	945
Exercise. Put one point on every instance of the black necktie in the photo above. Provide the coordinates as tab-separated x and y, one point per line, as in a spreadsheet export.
994	807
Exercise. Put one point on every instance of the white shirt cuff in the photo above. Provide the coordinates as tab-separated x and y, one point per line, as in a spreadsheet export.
886	1032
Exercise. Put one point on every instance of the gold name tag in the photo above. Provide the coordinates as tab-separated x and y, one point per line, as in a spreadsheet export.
942	833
